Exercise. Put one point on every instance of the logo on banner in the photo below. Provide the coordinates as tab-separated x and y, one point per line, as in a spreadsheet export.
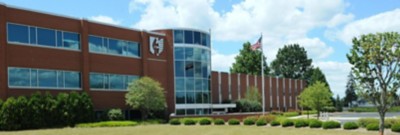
156	45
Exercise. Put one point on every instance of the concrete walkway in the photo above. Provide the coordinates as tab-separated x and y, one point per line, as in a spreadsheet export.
350	116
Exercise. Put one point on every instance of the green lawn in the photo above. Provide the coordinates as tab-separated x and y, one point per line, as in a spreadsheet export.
191	130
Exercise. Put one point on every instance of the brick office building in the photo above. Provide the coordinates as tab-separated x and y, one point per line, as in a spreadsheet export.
46	52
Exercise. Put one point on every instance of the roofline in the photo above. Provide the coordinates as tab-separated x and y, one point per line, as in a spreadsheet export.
184	28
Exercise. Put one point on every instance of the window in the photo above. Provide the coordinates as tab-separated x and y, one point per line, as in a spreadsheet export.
188	37
178	36
30	35
180	97
197	37
43	78
179	68
203	39
190	97
180	84
179	53
113	46
102	81
17	33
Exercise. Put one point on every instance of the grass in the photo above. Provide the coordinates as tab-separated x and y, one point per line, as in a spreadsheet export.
192	130
372	109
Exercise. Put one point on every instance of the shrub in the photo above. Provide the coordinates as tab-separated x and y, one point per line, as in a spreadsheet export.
309	112
329	109
275	123
189	122
363	122
313	123
205	121
244	105
233	122
330	125
261	122
219	122
396	127
291	114
115	114
108	124
373	127
276	113
268	118
350	125
250	120
287	123
300	123
174	122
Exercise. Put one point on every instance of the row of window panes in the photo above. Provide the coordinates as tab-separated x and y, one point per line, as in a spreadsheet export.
192	97
43	78
103	81
24	34
191	37
192	69
190	84
193	54
113	46
192	111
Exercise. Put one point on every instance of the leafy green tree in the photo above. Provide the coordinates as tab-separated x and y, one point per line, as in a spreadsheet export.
376	59
338	104
146	95
317	75
316	96
249	61
292	62
350	91
252	94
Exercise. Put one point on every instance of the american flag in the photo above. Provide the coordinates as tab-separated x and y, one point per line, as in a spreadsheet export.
256	45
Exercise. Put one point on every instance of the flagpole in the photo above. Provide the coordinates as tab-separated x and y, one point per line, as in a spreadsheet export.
262	77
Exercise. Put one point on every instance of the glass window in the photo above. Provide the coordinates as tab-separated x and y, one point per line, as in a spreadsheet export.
198	84
197	69
72	79
179	53
114	47
47	78
18	77
199	97
204	67
189	84
34	78
189	68
133	49
129	79
197	54
190	97
116	82
206	97
203	39
180	84
206	85
71	40
208	42
178	36
32	35
197	37
96	44
46	37
60	79
204	56
189	53
59	39
179	68
188	37
96	81
180	97
180	111
17	33
190	111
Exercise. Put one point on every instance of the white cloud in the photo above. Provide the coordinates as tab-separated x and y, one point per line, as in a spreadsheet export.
384	22
105	19
336	74
314	47
340	19
221	62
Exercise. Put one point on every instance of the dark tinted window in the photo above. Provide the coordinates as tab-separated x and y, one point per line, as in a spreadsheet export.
18	77
188	37
178	36
47	78
71	40
46	37
96	44
17	33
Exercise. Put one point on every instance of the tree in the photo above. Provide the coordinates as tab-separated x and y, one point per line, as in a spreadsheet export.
292	62
249	61
316	96
146	95
375	60
317	75
338	104
350	91
252	94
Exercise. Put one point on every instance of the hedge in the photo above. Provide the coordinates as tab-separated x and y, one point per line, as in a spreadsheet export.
373	127
189	122
250	120
233	122
363	122
301	123
350	125
46	111
268	118
313	123
205	121
245	105
108	124
174	121
115	114
287	123
275	123
330	125
261	122
291	114
219	122
396	127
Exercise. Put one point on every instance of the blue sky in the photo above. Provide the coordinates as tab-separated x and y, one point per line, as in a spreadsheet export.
323	27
